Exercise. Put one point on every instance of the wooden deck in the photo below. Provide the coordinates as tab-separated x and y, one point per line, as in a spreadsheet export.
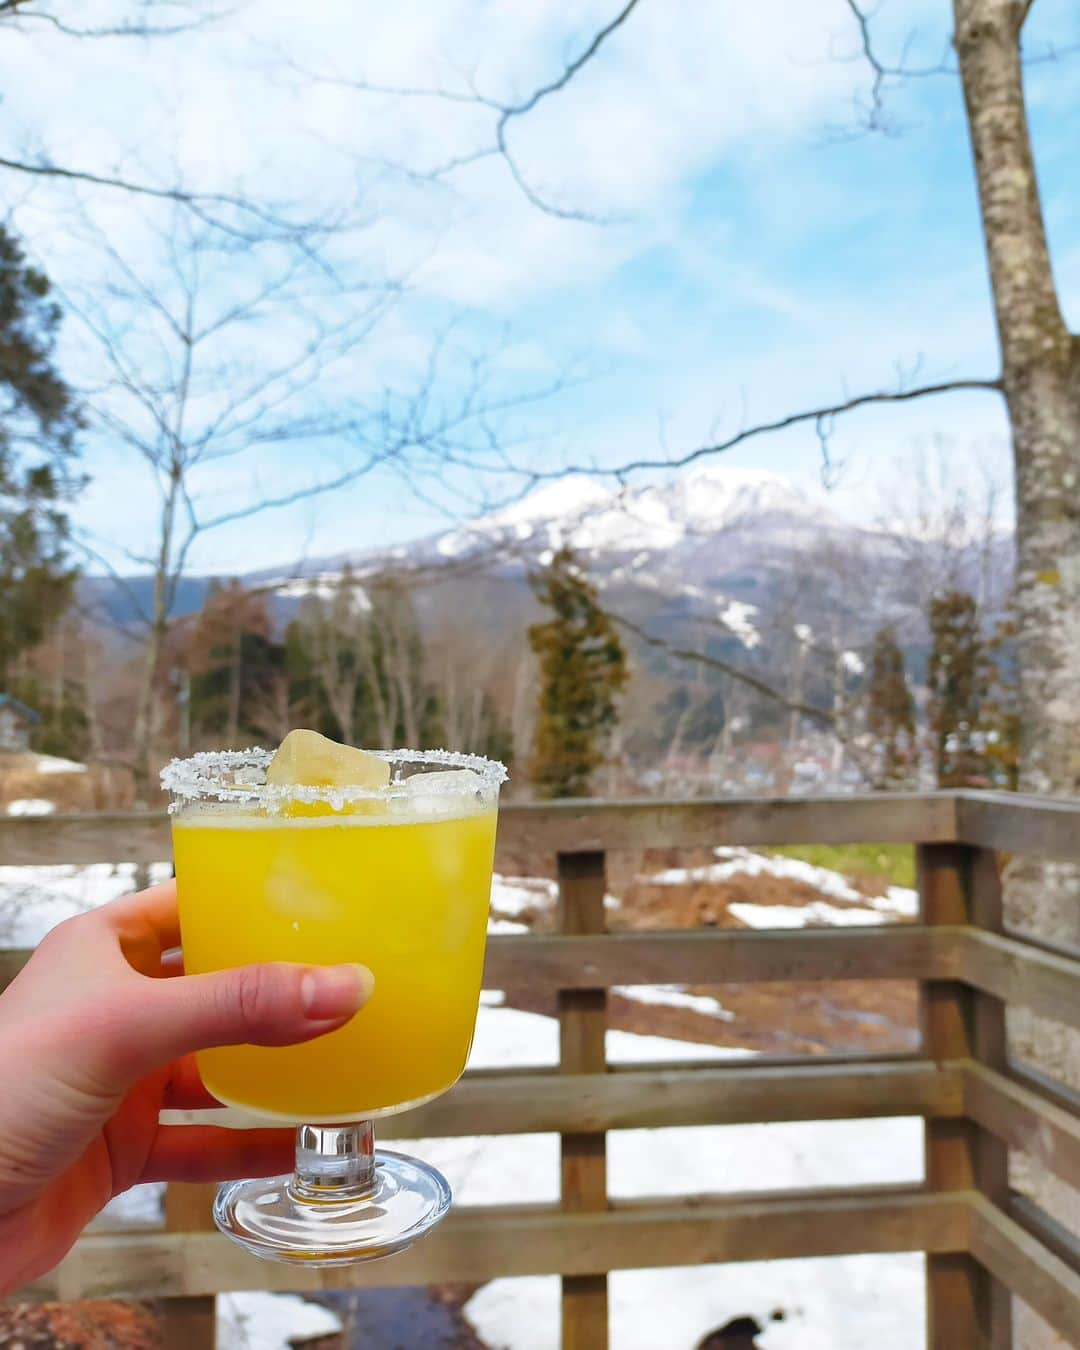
982	1241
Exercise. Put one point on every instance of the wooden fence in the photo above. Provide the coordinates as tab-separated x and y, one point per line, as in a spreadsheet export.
982	1241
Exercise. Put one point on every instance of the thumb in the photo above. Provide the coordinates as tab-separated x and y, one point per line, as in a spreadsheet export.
270	1004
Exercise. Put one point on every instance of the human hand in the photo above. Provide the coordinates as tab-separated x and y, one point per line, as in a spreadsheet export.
97	1035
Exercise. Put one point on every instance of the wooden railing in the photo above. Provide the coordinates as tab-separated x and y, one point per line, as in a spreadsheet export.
983	1243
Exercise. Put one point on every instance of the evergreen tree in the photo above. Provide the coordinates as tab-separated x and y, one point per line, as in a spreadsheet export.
582	671
38	421
891	710
957	682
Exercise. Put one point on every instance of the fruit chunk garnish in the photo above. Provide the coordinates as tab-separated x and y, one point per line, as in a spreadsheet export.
306	759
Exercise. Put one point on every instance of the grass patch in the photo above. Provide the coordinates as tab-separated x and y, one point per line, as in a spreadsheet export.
892	863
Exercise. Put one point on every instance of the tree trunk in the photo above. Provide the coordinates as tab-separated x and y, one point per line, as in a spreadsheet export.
232	729
1040	363
155	643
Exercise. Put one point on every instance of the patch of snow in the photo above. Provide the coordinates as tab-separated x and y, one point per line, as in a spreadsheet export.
322	586
511	896
853	663
508	1036
673	996
54	764
716	1159
736	616
898	900
804	633
31	806
515	895
35	899
732	862
506	927
523	1169
838	1303
817	913
257	1321
628	1047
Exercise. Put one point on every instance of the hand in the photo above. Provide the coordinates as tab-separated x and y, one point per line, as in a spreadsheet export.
96	1037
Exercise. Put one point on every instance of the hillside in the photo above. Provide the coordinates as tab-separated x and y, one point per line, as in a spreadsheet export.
737	564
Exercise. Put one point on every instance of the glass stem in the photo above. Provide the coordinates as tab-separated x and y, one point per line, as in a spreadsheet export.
334	1162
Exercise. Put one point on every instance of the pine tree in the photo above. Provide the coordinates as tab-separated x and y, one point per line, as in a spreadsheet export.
957	683
38	422
891	710
582	671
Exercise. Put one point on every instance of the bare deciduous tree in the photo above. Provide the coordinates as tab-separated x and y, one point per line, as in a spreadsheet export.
183	384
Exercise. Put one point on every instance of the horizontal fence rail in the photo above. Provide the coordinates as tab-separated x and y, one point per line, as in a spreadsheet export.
474	1245
981	1240
1010	823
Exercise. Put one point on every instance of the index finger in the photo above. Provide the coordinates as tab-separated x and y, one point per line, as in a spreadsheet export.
149	914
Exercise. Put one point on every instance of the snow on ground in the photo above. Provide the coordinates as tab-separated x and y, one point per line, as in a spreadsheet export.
673	996
54	764
508	1036
506	927
270	1321
31	806
736	617
843	1303
511	896
35	899
744	862
818	912
524	1168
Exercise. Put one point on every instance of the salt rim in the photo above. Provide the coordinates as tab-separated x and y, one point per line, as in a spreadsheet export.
198	778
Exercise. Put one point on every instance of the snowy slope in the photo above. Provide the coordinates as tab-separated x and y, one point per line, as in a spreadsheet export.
596	518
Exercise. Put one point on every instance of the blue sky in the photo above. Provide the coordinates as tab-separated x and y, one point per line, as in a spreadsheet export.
756	256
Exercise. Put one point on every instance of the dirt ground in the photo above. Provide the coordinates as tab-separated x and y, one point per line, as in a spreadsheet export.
792	1018
99	787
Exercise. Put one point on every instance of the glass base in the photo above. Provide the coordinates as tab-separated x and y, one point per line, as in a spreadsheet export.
270	1219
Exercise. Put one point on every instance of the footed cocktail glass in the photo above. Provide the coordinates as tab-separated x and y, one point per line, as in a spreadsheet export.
396	878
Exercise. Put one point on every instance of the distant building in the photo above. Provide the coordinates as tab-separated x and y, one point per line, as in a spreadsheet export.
16	720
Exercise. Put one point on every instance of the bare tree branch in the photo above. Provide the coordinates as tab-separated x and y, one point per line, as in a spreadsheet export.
20	10
820	417
746	677
505	114
884	72
252	220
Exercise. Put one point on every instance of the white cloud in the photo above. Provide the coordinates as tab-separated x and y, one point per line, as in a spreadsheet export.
753	268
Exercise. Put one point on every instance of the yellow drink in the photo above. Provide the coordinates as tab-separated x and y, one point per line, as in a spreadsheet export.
406	896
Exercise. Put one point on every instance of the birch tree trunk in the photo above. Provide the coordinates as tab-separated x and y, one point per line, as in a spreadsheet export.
1040	364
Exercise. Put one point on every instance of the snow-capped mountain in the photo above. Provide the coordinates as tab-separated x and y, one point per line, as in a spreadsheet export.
596	518
732	553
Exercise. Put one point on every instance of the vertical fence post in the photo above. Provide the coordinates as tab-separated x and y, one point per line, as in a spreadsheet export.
582	1024
966	1306
189	1323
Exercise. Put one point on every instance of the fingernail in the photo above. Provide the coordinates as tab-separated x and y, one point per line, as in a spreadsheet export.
335	991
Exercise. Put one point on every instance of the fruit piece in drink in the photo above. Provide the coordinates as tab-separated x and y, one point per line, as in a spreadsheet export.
306	759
